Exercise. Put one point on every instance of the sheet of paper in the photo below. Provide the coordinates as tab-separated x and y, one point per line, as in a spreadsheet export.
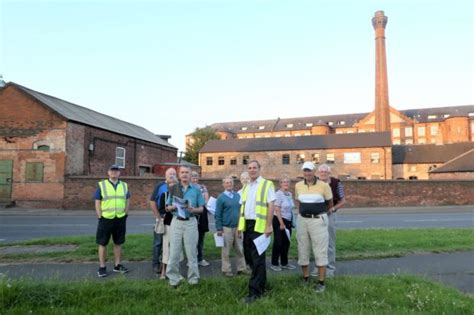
181	207
288	234
211	205
219	240
261	243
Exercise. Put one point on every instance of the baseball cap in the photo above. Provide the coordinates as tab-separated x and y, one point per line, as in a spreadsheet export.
308	166
114	167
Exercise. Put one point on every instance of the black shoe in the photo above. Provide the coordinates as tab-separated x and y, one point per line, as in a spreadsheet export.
250	299
157	270
120	268
102	272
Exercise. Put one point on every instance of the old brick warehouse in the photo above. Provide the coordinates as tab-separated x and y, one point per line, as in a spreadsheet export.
44	140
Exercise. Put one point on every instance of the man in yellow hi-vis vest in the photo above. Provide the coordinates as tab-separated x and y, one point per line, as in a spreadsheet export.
112	200
256	214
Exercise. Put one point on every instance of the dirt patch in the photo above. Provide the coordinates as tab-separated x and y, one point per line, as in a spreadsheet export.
36	249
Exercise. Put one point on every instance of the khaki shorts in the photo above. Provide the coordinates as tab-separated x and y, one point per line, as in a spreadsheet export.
312	233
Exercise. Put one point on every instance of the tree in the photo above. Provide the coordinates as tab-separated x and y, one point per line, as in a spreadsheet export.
198	139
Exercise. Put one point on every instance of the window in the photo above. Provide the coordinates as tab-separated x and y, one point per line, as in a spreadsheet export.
471	114
446	115
233	160
432	116
289	125
267	136
309	124
396	132
285	159
413	177
342	122
120	157
287	135
421	141
315	158
258	136
350	131
396	141
330	123
408	132
338	131
375	157
408	141
278	135
421	131
330	158
351	157
297	134
144	170
209	160
220	160
300	158
307	134
434	130
43	148
245	159
34	171
243	128
261	127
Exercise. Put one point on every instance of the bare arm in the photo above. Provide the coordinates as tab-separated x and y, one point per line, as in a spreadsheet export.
196	210
127	206
269	228
98	209
279	217
154	208
340	204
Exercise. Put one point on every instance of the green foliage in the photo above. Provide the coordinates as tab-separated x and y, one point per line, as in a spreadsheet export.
287	295
200	136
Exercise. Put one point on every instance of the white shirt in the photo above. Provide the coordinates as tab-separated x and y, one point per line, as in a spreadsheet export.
252	198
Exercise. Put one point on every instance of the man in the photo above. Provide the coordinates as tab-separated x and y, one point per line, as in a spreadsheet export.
112	200
160	189
256	214
184	228
313	198
339	200
227	219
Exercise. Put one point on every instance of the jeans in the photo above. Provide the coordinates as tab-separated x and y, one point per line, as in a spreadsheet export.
200	246
157	247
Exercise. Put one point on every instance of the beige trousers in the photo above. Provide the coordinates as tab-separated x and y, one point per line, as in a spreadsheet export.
232	240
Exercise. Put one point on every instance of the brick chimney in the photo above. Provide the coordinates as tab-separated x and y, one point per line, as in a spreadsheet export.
382	107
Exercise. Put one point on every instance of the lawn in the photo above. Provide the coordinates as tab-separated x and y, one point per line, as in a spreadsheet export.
351	244
287	295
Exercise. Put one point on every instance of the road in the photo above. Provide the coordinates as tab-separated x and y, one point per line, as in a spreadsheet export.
20	224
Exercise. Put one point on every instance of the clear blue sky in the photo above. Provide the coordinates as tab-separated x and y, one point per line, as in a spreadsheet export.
171	66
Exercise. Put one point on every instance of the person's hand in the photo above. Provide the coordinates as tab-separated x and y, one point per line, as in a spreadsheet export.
268	231
170	208
239	234
282	227
219	233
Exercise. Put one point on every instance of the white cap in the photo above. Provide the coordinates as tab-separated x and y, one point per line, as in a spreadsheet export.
308	166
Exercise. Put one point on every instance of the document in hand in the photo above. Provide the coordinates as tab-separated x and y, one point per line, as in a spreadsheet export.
261	243
288	234
219	240
181	207
211	205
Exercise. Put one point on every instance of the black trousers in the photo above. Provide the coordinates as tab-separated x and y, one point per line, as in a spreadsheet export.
281	243
258	278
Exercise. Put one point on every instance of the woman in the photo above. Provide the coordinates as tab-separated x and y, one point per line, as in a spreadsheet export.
203	222
281	224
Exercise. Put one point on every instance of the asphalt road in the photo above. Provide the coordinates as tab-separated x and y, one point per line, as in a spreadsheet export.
25	224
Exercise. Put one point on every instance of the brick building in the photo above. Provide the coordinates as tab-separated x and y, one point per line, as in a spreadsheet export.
356	156
45	139
460	167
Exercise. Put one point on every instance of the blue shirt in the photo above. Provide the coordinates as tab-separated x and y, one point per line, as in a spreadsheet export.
98	195
160	189
194	197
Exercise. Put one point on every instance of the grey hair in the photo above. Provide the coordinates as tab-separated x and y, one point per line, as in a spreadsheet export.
285	177
228	177
324	167
194	174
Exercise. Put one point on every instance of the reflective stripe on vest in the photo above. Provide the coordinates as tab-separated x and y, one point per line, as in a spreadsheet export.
114	201
261	206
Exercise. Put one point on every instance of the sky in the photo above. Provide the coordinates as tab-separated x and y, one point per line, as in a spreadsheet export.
172	66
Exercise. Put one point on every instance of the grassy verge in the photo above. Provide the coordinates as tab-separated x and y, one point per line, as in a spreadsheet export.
344	295
351	244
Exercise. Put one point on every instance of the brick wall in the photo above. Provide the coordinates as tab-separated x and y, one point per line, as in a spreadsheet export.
453	175
79	191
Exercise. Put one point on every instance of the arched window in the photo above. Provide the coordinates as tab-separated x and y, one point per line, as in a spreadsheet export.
43	147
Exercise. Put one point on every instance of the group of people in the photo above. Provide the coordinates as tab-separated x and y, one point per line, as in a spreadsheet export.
240	218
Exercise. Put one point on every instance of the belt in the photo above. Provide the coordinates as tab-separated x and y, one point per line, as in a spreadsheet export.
182	219
313	216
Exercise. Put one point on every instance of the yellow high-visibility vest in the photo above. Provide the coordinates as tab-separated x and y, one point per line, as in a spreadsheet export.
114	201
261	206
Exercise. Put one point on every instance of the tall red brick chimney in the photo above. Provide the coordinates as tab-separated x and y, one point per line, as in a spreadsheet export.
382	107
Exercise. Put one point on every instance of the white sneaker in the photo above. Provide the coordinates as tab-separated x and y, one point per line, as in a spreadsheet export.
315	272
203	263
289	267
275	268
329	273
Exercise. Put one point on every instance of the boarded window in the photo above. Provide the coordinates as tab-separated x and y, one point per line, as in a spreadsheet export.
144	170
34	171
285	159
120	157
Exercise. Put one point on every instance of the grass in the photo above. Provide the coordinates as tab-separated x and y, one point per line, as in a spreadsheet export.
344	295
351	244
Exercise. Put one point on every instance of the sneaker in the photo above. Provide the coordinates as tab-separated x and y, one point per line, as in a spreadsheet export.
244	272
329	273
288	267
102	272
228	274
275	268
315	272
156	270
320	288
203	263
120	268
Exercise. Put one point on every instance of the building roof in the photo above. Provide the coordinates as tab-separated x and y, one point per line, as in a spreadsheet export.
83	115
334	141
428	153
340	121
461	163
